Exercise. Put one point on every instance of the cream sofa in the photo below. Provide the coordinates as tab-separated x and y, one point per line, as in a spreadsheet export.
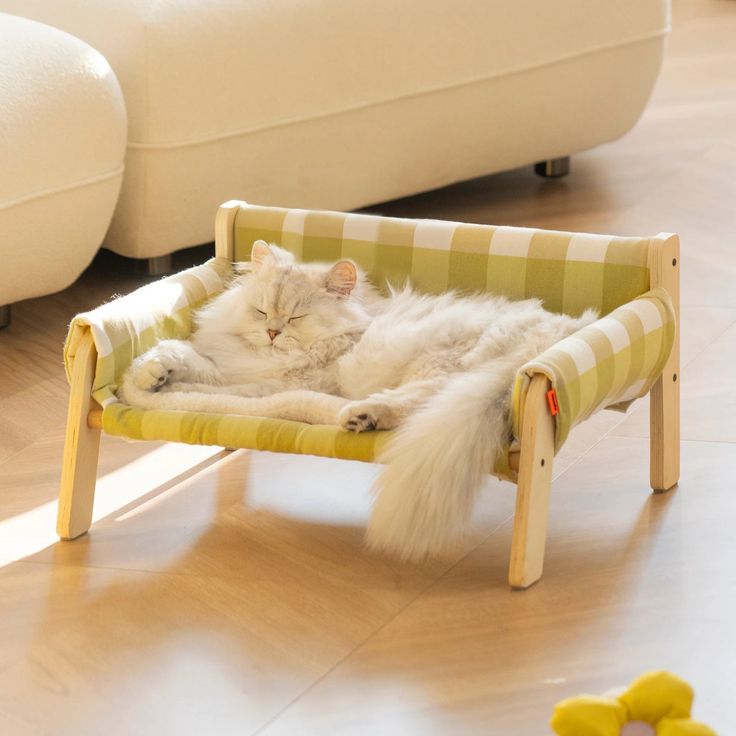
338	105
62	142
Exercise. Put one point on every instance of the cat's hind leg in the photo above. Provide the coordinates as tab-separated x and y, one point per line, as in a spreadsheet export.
388	409
237	389
297	405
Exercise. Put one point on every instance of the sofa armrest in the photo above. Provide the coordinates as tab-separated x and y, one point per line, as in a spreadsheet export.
607	364
126	327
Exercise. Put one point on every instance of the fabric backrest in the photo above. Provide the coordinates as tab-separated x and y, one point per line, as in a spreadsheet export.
569	272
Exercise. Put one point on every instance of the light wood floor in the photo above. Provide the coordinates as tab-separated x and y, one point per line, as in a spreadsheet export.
236	598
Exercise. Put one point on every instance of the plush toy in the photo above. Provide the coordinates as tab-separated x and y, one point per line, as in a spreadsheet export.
655	704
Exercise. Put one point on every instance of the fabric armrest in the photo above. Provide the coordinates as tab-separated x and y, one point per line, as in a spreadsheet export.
607	364
127	326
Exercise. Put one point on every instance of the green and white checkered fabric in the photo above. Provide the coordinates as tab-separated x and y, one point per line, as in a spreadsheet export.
609	363
126	327
254	433
232	430
570	272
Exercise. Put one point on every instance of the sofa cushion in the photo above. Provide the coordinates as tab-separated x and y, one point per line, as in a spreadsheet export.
193	70
337	105
62	142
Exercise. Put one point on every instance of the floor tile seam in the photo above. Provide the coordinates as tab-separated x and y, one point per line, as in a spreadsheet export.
108	568
691	305
378	630
683	440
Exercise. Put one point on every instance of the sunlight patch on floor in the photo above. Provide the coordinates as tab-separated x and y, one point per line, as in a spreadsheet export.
27	533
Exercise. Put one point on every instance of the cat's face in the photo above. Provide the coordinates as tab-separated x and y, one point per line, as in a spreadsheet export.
288	306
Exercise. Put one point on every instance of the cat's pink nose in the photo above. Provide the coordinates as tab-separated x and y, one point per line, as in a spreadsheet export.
272	334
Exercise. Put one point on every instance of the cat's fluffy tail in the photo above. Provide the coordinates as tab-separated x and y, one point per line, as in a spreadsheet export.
437	462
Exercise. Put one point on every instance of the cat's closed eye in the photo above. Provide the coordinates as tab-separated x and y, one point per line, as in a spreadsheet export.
260	311
291	319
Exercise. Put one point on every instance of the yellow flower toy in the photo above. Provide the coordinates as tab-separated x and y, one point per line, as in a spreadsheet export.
655	704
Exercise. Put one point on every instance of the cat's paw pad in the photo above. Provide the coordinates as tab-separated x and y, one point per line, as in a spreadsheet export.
152	375
359	423
364	416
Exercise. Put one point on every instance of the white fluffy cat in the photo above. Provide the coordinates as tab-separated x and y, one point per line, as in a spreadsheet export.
316	343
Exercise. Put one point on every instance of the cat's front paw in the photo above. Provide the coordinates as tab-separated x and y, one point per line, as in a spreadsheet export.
151	375
364	416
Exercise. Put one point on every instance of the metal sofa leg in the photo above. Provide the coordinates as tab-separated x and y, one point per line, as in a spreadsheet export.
158	266
554	168
4	316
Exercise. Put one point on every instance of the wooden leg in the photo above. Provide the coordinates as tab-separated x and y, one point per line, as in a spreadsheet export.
81	449
664	398
532	494
664	429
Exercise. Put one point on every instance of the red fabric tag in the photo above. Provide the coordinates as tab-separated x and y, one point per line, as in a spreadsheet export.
554	407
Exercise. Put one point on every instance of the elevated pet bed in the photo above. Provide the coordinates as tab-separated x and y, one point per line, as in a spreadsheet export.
630	351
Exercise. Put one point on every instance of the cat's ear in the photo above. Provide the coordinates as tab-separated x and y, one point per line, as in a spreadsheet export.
260	253
342	277
264	252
